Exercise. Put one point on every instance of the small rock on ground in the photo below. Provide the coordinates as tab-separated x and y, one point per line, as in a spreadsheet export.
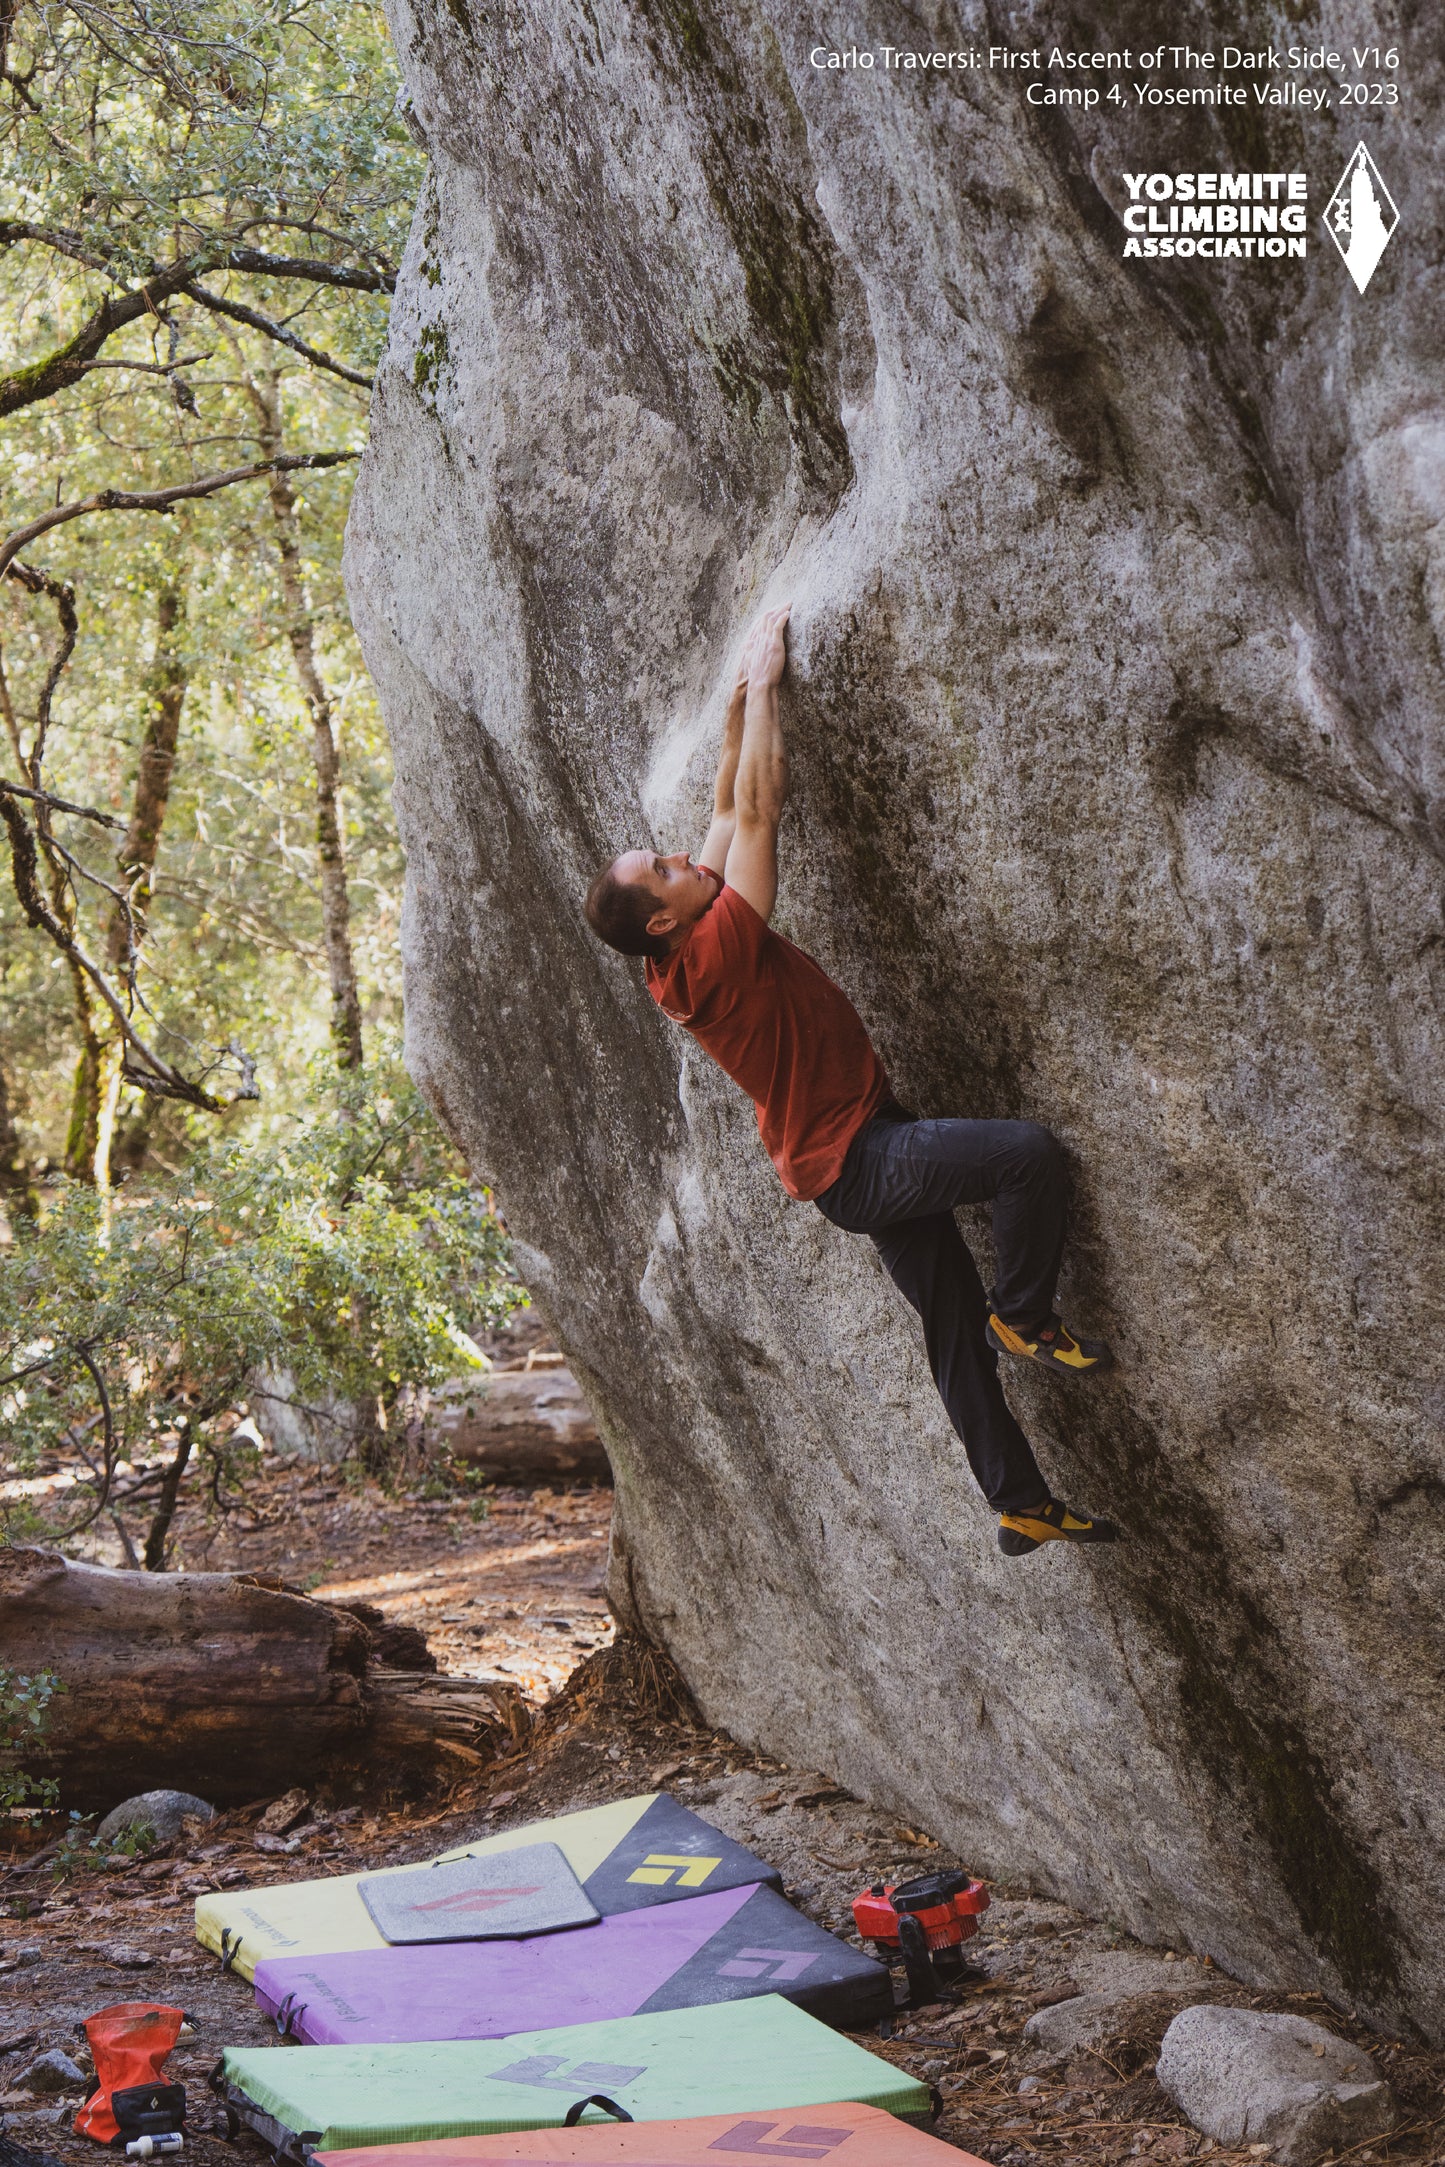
1112	1979
125	1954
164	1813
283	1814
54	2071
1244	2076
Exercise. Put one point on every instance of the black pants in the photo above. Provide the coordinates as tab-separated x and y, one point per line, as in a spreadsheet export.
900	1184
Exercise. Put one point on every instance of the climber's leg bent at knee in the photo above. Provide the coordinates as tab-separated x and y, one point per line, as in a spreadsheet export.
899	1184
898	1168
780	1028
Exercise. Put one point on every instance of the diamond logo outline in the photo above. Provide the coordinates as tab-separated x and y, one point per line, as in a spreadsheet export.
1361	216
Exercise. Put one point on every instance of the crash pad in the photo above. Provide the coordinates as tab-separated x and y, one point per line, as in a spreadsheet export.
733	1946
631	1854
841	2134
531	1890
733	2059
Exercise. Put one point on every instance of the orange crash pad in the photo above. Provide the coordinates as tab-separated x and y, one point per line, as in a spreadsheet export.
834	2136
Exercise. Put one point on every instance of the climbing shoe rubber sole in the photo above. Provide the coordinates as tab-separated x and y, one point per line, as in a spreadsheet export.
1021	1532
1060	1350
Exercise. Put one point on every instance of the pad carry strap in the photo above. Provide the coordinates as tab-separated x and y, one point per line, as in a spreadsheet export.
595	2099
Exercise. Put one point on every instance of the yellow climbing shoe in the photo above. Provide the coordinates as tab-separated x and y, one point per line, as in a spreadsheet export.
1053	1345
1021	1532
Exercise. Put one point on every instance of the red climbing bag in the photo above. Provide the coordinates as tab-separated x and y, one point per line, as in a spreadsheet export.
130	2042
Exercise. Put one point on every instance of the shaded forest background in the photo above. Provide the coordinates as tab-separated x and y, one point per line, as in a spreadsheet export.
212	1167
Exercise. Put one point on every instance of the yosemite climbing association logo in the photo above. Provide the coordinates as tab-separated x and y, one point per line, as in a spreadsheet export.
1361	217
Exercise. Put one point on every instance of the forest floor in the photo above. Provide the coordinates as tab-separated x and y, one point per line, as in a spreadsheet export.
513	1584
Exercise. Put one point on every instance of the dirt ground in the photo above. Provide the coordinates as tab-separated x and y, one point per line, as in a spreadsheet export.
510	1582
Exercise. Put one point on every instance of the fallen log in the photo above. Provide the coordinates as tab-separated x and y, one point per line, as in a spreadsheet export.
220	1684
521	1424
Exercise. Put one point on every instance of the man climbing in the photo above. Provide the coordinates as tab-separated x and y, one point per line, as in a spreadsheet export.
782	1030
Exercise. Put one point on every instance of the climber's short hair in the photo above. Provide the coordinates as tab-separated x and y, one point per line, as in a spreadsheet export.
618	911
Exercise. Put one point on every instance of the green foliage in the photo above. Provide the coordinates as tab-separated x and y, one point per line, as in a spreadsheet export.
208	156
143	131
349	1253
151	131
24	1713
77	1846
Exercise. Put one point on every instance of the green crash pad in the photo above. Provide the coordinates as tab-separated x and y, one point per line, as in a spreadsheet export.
725	2059
632	1853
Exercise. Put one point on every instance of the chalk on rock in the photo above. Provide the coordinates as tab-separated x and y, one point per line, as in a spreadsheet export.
54	2071
1244	2076
164	1813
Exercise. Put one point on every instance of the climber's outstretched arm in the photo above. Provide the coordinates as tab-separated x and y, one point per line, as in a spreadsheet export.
760	790
719	836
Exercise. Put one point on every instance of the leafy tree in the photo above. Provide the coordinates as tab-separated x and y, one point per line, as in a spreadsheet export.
151	146
205	202
349	1253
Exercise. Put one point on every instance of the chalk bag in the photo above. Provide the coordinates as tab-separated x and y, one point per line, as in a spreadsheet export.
130	2042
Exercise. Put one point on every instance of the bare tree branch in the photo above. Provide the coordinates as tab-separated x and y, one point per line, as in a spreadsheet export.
157	1075
161	500
118	896
62	594
64	901
62	805
67	364
63	239
151	368
257	322
260	264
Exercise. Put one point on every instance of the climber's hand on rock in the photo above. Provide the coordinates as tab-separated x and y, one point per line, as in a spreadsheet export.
765	656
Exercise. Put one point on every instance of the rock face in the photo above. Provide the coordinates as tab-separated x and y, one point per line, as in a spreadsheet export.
1116	719
1246	2077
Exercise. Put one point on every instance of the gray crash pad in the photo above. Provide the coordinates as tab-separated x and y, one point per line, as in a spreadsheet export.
506	1895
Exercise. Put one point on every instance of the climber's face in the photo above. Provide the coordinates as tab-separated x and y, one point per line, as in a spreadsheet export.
682	890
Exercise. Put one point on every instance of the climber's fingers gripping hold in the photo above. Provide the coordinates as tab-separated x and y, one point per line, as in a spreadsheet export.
765	656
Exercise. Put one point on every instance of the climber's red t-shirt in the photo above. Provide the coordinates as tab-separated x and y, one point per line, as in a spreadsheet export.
780	1028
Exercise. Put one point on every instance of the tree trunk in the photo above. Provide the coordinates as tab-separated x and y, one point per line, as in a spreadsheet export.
154	1554
300	631
166	683
82	1135
83	1127
17	1193
165	696
219	1684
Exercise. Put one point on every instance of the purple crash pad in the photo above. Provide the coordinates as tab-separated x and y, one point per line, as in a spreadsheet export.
484	1990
